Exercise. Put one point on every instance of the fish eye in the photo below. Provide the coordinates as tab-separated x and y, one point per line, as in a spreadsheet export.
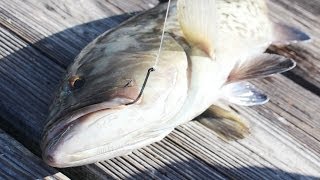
76	82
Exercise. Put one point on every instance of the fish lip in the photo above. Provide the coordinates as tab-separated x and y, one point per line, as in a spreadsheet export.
66	120
84	161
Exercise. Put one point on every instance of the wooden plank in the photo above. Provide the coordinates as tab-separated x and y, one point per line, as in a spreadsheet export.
305	16
16	162
70	25
296	109
217	164
60	15
25	95
35	89
34	37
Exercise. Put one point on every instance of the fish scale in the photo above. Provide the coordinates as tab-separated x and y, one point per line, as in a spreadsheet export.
209	46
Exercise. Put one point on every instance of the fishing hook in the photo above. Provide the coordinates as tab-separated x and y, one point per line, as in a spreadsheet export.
152	69
143	86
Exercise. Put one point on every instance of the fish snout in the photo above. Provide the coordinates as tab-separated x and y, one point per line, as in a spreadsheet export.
53	152
54	158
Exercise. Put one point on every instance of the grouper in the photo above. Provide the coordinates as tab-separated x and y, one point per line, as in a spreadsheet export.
210	49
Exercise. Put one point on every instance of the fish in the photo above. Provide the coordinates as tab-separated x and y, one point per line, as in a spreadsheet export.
211	49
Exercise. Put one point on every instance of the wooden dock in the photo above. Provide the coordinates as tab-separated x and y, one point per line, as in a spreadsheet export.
39	39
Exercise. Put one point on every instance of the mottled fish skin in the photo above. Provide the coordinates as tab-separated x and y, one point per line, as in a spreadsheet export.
89	120
240	30
106	76
95	64
237	28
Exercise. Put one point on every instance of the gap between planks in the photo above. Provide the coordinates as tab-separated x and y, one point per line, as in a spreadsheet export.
63	49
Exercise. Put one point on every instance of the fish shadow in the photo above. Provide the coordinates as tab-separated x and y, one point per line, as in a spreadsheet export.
29	77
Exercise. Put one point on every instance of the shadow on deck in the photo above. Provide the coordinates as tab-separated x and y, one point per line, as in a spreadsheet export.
29	77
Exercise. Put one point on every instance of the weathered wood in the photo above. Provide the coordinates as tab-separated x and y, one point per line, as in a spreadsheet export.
25	96
304	15
54	17
296	110
17	162
35	21
39	39
19	58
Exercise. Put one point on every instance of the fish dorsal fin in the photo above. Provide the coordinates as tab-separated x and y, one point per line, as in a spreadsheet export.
244	94
284	34
260	66
197	21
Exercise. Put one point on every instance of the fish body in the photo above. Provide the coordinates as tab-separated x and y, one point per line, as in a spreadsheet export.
91	118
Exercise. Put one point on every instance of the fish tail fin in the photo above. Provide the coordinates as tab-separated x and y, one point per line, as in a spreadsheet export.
226	124
196	19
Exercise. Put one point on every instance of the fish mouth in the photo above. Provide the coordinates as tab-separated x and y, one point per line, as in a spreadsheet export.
60	125
98	153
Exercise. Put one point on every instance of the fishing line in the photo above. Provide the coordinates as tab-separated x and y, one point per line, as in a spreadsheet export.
162	37
153	68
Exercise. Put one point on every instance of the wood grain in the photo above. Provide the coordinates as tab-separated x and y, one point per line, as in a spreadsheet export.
16	162
70	25
39	39
305	16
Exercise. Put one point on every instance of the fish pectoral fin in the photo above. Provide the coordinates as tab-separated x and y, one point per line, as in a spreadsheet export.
196	19
284	34
260	66
226	124
243	94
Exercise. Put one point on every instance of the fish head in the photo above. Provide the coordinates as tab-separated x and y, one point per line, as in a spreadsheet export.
85	106
90	119
85	119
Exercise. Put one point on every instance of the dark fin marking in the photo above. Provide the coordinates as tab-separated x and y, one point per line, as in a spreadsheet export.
260	66
284	34
228	125
244	94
